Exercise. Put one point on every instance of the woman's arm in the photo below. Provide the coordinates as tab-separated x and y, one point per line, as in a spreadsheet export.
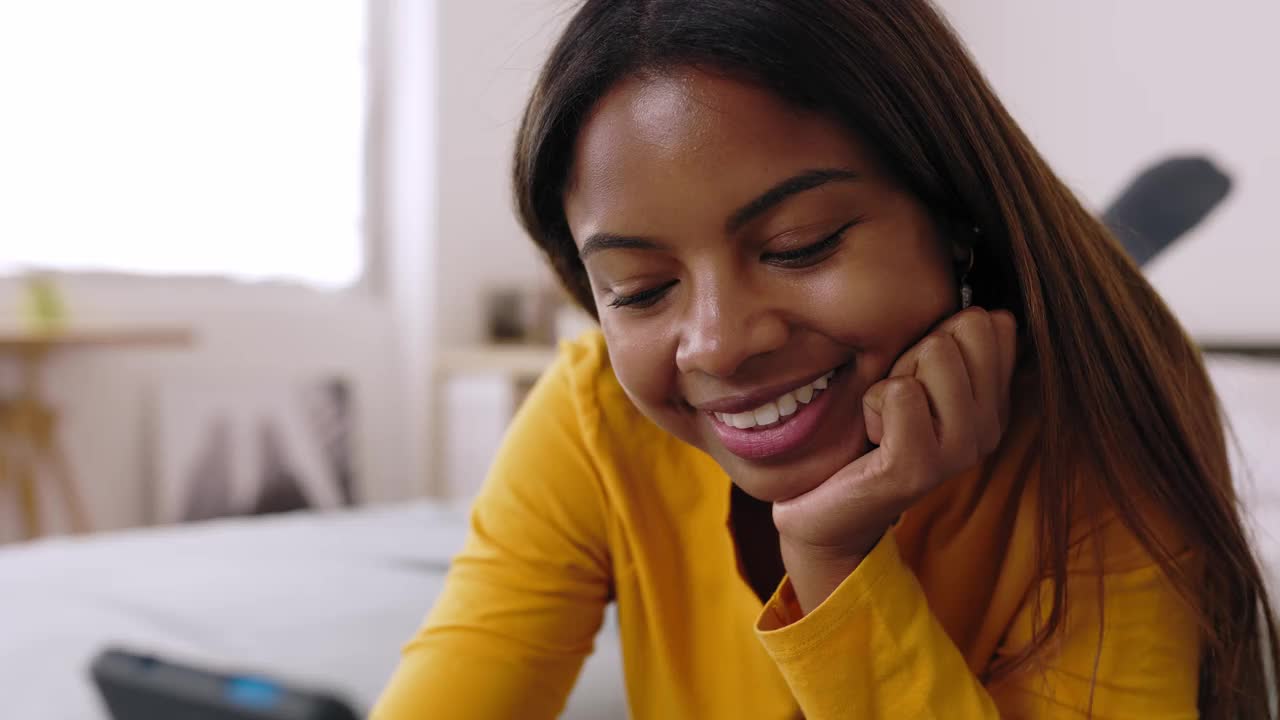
851	629
873	649
524	599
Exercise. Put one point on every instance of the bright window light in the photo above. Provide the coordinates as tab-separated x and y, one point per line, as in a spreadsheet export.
200	137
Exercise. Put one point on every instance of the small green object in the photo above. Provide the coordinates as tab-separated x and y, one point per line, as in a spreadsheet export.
44	308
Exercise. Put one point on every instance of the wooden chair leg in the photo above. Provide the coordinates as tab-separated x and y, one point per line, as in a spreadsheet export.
6	479
60	469
28	502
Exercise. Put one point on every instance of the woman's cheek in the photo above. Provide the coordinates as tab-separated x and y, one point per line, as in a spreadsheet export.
879	307
643	360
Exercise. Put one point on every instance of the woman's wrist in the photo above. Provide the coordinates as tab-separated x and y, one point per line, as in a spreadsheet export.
815	572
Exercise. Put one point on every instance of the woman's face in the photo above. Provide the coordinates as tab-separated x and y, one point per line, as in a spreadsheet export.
741	252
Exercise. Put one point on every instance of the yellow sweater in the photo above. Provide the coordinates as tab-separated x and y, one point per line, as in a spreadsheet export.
589	503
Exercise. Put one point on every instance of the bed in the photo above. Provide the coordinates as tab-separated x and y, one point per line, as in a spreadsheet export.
325	599
328	598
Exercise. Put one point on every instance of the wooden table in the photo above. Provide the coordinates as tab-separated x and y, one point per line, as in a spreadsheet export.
29	440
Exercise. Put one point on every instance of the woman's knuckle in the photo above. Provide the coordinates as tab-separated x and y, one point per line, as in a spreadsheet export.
931	346
901	388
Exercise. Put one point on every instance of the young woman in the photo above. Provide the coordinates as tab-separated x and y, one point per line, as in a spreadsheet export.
880	422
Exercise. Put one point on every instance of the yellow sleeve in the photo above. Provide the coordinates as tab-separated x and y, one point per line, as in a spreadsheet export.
525	597
874	649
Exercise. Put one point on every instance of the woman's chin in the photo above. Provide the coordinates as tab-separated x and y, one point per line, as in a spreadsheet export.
770	489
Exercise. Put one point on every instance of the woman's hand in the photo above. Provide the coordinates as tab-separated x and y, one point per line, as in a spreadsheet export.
943	407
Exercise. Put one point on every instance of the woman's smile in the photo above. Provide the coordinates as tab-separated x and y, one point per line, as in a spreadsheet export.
758	430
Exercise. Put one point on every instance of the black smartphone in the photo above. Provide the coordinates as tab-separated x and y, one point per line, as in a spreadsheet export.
137	686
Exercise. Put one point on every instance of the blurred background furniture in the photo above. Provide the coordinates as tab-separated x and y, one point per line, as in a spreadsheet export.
30	444
1164	202
481	386
249	443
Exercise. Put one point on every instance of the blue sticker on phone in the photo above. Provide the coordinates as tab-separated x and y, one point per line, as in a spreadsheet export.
251	692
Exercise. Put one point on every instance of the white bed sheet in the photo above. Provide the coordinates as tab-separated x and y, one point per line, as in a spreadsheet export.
326	599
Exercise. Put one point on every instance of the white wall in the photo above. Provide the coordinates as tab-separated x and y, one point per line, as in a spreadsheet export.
1104	87
407	185
489	55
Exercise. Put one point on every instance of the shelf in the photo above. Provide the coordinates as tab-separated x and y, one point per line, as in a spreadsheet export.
13	338
522	362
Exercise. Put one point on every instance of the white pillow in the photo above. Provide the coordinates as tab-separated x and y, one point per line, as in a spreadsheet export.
1249	389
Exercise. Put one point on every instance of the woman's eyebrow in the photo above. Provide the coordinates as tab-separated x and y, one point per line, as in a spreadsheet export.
806	180
609	241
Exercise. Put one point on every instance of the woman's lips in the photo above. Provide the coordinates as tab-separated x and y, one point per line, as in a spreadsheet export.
780	438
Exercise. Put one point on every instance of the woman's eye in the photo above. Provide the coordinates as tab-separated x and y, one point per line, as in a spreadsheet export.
642	299
809	254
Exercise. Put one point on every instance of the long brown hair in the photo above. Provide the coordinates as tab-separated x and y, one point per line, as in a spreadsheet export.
1113	363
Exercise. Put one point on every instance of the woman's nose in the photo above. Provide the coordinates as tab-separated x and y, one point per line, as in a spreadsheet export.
723	330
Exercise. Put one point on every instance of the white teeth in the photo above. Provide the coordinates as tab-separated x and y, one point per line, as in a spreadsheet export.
770	412
787	405
766	414
804	394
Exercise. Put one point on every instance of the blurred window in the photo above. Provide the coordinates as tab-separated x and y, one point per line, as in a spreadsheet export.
188	138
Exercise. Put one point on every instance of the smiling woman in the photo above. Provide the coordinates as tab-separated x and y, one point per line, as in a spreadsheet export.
778	268
815	479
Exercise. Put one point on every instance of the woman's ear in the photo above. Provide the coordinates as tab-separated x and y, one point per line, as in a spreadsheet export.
962	236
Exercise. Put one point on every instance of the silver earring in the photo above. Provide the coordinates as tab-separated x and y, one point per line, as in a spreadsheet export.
966	290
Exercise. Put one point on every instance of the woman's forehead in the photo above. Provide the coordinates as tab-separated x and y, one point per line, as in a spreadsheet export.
658	144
